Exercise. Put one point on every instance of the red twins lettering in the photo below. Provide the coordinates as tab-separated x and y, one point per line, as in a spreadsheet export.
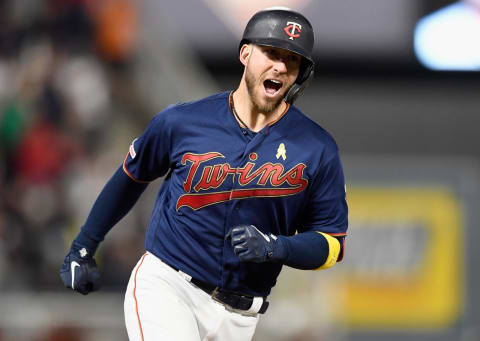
196	159
212	177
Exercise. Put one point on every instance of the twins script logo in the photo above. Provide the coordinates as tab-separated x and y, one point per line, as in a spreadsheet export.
269	178
291	28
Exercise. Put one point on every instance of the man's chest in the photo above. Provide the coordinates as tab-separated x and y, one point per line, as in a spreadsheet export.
215	170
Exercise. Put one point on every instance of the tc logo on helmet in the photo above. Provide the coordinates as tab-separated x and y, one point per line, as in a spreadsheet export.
291	28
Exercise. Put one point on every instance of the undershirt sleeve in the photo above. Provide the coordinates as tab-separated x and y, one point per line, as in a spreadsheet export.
115	200
305	251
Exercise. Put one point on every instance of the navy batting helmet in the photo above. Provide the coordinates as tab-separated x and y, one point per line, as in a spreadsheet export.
284	28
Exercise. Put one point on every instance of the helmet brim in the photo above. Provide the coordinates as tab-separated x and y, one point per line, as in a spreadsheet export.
278	43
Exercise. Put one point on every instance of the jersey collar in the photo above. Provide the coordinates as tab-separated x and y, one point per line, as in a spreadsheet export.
266	128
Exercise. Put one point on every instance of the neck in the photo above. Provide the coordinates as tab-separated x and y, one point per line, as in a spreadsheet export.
249	114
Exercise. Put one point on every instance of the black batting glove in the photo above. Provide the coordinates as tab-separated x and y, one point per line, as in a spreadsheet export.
252	245
79	271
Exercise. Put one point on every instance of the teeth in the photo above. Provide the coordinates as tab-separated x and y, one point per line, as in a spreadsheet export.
274	81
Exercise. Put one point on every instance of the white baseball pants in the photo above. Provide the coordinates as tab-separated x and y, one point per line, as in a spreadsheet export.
162	305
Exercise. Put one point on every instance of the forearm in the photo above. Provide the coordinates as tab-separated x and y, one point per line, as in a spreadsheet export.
115	200
309	250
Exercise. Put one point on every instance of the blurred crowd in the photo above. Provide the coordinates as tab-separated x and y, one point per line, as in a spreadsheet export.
65	80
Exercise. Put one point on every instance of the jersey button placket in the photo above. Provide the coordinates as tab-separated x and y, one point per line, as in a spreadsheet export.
234	204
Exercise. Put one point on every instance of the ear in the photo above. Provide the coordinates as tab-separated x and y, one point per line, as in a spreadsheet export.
245	52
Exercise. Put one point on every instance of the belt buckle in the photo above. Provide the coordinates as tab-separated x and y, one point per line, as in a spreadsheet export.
228	307
214	297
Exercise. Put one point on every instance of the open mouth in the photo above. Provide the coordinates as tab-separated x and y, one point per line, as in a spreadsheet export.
272	86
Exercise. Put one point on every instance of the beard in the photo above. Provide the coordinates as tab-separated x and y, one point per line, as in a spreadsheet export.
270	104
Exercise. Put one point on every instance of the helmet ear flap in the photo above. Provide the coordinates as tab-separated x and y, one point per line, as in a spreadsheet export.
300	84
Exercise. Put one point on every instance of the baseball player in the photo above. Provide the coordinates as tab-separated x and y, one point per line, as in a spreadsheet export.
251	184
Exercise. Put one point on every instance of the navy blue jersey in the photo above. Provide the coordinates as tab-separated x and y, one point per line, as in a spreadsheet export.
285	179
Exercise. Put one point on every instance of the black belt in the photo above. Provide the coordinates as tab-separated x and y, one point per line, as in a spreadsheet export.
230	299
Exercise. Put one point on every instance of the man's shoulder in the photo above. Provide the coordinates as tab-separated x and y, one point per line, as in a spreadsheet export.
308	128
213	100
181	111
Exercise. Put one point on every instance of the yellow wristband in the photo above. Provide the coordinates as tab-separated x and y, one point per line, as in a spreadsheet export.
333	251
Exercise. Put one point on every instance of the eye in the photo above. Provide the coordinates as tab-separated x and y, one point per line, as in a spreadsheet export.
294	58
272	52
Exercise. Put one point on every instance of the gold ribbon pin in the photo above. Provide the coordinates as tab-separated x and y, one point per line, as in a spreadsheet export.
281	151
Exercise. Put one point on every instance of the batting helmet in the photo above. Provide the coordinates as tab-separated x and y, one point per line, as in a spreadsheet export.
284	28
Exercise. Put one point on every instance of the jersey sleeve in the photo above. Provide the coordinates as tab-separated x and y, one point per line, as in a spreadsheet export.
148	156
327	210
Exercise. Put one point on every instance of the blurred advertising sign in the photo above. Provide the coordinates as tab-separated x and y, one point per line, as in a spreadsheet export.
404	261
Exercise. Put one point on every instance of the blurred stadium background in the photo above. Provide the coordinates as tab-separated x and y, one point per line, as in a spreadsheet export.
80	79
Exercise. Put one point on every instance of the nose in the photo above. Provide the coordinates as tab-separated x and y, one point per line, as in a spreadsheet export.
280	65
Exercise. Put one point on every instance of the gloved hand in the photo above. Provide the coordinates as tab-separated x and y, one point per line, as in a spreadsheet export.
252	245
79	270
